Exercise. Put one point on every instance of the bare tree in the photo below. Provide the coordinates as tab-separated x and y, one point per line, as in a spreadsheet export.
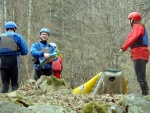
89	33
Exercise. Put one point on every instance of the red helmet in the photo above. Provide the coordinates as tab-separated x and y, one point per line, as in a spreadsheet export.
136	16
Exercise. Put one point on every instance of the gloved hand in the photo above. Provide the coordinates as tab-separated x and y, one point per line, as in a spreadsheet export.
121	51
46	55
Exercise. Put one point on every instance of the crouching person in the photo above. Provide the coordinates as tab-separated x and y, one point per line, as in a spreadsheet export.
42	50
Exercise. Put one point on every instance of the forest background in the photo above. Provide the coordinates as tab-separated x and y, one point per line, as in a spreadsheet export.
89	34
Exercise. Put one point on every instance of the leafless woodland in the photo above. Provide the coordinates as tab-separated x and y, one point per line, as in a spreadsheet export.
89	34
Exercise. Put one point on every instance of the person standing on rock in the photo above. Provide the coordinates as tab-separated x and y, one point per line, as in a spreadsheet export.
42	50
137	40
12	45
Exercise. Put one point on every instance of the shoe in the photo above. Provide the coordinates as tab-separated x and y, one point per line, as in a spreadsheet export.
144	93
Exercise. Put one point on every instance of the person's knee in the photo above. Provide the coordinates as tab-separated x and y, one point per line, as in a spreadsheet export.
141	79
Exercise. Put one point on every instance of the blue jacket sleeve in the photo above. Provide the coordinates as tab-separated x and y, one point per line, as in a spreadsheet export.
52	49
22	44
35	52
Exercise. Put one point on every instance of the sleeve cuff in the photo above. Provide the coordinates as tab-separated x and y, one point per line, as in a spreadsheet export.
42	54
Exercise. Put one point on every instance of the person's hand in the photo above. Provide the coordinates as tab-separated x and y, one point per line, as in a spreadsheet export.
46	55
121	51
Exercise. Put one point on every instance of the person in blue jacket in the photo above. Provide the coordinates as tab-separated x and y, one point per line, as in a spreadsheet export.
42	50
12	45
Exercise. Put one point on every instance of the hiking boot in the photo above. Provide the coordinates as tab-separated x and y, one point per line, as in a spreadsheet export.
144	93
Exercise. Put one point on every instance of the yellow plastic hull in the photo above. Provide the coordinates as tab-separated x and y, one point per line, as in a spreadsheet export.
124	86
88	86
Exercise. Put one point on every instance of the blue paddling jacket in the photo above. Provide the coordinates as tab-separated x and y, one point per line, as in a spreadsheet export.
38	55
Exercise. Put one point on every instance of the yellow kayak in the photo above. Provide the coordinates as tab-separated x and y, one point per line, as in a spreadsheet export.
93	86
88	86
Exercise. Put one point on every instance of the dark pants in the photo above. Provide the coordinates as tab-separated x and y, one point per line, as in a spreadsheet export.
40	72
140	70
9	73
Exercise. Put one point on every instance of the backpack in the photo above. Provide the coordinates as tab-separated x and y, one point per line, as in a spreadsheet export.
145	38
7	44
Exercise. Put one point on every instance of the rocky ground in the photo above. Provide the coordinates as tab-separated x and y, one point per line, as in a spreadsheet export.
76	102
62	95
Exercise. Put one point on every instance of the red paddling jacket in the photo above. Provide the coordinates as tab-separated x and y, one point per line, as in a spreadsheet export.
137	40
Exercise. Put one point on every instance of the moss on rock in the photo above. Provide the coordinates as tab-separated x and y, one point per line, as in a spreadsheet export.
94	107
56	82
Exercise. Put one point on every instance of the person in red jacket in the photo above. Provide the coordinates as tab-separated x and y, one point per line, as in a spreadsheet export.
137	40
57	65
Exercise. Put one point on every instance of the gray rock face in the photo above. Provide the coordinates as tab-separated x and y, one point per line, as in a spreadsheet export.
49	108
8	107
136	103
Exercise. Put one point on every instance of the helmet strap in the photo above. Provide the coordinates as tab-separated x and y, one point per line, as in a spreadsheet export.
131	22
14	29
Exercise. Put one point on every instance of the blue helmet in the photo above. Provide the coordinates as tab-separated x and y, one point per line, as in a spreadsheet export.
45	30
10	24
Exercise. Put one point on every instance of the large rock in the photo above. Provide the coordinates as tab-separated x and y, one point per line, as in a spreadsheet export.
10	107
136	103
49	108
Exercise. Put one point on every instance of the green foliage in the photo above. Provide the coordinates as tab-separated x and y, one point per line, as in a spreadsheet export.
93	107
121	102
56	82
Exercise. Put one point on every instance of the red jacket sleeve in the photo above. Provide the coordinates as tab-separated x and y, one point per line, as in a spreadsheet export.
136	32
